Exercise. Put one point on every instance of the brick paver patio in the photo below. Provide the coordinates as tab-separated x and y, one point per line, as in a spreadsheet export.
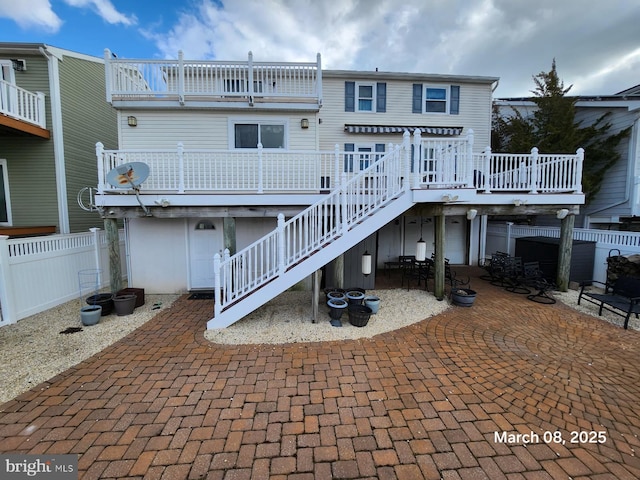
443	398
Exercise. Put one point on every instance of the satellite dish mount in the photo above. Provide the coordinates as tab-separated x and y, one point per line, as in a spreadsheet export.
130	175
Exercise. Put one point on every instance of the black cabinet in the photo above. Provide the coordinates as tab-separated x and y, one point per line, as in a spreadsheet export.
545	251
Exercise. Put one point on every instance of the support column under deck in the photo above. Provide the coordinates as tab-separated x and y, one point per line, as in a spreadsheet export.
564	252
439	270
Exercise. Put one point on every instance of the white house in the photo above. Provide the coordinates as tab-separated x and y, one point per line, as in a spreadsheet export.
289	166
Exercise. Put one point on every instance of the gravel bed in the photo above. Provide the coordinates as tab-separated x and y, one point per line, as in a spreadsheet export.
33	350
287	319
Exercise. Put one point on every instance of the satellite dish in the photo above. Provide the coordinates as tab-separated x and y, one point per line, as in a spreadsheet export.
128	175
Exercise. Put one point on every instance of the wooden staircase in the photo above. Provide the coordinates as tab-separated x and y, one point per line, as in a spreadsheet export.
305	243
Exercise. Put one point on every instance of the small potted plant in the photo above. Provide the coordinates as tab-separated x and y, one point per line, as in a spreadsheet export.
463	297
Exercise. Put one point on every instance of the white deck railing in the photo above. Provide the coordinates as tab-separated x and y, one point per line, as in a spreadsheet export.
22	104
438	163
533	173
180	79
312	229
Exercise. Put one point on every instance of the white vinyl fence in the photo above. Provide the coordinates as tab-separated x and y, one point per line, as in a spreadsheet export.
502	238
39	273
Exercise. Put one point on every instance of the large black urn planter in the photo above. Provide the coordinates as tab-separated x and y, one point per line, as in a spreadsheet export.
463	297
359	315
105	300
336	307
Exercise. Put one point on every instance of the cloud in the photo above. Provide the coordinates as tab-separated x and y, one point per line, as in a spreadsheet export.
595	47
36	13
106	10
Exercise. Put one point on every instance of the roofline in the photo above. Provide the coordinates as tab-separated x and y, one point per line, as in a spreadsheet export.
432	77
9	48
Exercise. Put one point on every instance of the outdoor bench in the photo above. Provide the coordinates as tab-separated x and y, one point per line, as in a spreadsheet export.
622	297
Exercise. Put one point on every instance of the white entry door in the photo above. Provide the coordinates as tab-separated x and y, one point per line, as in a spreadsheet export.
205	240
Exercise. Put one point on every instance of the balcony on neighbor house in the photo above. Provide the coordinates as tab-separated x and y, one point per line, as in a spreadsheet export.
213	84
447	171
22	111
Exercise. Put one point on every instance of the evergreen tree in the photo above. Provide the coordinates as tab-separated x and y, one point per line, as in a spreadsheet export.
553	129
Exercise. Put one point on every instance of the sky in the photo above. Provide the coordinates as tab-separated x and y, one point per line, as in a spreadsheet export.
596	44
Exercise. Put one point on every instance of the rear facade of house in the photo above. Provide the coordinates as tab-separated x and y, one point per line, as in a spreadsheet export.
252	176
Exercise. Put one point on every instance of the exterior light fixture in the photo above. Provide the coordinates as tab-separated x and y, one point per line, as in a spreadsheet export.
366	263
304	123
132	121
471	213
421	250
562	213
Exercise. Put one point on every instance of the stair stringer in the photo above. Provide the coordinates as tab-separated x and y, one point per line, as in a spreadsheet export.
315	261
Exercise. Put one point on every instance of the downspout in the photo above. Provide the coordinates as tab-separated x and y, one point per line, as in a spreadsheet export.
633	151
58	140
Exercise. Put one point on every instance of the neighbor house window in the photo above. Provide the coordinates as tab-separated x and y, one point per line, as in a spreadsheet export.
248	135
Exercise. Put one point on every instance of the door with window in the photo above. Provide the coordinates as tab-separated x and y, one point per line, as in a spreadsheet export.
5	203
205	240
7	93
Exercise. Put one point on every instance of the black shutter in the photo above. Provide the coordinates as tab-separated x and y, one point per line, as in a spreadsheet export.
455	100
417	98
349	96
381	97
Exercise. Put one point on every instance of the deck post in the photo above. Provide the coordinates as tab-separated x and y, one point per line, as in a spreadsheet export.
417	160
100	160
281	244
469	160
564	252
534	171
180	167
217	307
485	177
438	259
579	165
229	233
260	173
113	242
181	77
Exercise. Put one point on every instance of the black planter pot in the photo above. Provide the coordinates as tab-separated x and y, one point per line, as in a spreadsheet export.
463	297
105	300
337	307
359	315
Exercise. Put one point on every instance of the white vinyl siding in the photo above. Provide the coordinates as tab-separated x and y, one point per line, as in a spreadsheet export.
475	113
205	129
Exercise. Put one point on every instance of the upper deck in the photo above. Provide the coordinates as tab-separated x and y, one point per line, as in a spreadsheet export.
213	84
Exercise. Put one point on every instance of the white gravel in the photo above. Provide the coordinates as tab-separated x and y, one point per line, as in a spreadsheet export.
33	350
287	319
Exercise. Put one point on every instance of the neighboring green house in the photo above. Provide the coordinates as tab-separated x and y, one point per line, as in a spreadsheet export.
53	110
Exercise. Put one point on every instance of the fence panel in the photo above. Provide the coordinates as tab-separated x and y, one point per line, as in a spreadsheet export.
502	237
42	272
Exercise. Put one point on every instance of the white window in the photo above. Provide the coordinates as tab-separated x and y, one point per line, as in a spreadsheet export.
250	133
436	99
366	97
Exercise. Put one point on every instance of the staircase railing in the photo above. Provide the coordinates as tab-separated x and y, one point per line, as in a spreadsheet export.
239	275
